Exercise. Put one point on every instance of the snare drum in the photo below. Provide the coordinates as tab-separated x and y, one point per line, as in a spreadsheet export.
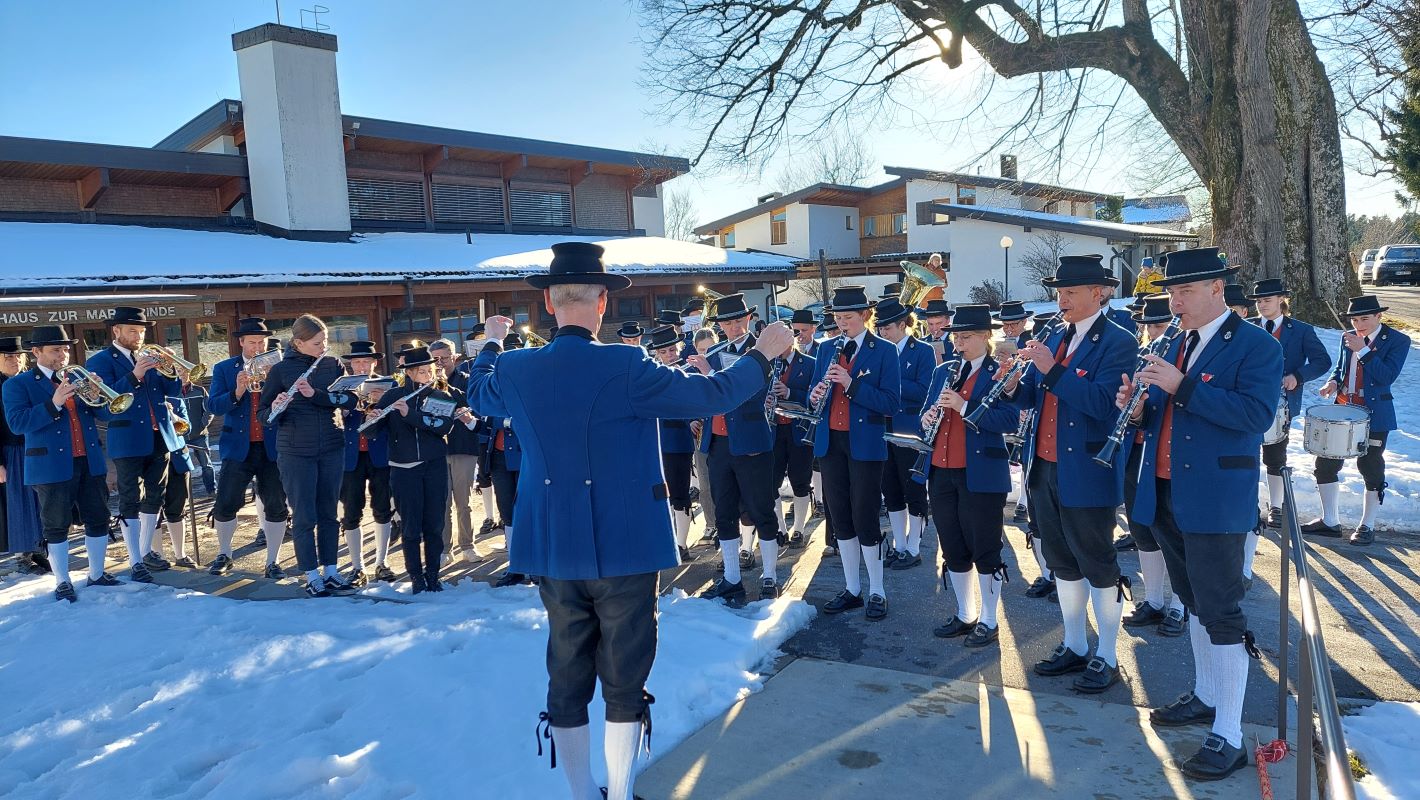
1281	421
1337	431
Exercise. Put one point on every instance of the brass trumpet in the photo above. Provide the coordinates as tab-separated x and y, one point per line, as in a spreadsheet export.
533	340
90	389
257	368
180	425
712	298
170	364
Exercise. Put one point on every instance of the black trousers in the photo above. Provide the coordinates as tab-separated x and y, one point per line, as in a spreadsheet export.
142	480
1371	465
505	486
236	476
741	483
1274	456
1205	570
900	491
352	493
422	494
313	486
676	468
794	461
970	528
1143	535
603	629
485	468
852	492
1078	542
175	495
88	494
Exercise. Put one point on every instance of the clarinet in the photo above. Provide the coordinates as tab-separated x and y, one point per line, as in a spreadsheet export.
376	417
1017	449
822	405
278	405
1105	457
771	400
919	467
1018	368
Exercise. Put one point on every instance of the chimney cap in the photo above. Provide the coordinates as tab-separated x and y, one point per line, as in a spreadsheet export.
765	198
271	32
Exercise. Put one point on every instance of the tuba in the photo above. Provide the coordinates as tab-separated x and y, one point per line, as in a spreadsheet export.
917	281
92	390
170	363
530	336
711	298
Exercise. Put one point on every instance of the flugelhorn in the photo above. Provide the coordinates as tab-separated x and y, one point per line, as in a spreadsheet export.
530	336
712	297
258	367
93	392
171	365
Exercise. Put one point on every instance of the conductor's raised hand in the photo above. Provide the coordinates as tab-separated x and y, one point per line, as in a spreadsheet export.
497	327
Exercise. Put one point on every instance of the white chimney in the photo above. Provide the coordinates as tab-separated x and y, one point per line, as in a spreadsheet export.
291	116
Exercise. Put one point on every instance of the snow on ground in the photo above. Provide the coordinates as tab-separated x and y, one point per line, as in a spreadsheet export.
147	691
1386	736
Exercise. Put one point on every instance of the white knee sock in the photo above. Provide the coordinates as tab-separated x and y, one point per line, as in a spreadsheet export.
623	745
1329	492
816	486
1109	609
730	554
147	526
897	520
275	532
490	511
260	508
59	561
681	519
574	754
1202	662
746	538
873	557
355	543
1073	596
225	532
96	545
769	553
915	526
1368	512
329	571
1275	494
990	597
129	527
382	543
1175	603
1152	565
803	506
1040	561
966	600
175	538
780	504
1249	551
1230	685
852	558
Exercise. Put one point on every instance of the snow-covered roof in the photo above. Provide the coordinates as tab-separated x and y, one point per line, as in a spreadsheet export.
64	255
1088	227
1156	210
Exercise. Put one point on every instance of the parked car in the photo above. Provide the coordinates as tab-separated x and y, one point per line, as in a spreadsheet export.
1398	263
1366	273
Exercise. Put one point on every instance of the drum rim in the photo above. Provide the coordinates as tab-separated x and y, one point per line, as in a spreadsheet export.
1341	412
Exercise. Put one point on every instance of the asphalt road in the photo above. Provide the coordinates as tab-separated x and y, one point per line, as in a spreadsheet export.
1403	301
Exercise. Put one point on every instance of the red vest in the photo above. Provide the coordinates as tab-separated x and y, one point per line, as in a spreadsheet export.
949	450
1050	415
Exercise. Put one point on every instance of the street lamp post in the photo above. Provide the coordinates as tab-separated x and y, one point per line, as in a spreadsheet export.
1006	246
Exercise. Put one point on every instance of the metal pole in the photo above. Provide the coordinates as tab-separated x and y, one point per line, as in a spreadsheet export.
1284	590
192	515
823	275
1008	275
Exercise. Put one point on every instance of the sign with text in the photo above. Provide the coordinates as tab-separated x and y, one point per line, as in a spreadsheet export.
64	314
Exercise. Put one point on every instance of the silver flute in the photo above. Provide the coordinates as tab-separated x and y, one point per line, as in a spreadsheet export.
375	415
279	404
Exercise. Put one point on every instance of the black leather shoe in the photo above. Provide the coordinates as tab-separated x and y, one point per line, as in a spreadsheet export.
1215	760
141	574
260	540
877	607
981	635
732	593
65	591
384	573
417	586
1274	517
1040	587
746	559
955	627
104	580
1062	660
684	554
843	601
1186	710
907	561
508	578
1020	515
156	563
185	562
432	582
796	539
221	565
1125	542
1362	536
274	572
357	579
1144	614
768	589
891	558
1175	623
1097	677
1318	527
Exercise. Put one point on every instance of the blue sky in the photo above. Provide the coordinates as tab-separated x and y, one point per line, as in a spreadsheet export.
130	73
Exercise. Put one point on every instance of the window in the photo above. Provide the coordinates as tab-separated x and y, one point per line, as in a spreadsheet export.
941	219
519	313
848	222
779	226
541	208
344	329
899	223
628	307
671	302
870	227
419	319
727	238
456	323
966	195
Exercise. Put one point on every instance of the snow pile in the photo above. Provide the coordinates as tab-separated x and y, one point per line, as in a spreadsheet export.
154	692
1386	736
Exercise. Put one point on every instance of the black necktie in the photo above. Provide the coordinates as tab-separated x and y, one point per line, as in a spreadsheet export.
1271	325
1188	348
850	348
961	379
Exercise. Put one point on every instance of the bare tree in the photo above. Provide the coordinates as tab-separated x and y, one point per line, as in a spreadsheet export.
680	214
840	158
1236	85
1041	260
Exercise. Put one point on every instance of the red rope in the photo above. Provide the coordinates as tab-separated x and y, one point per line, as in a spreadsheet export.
1270	753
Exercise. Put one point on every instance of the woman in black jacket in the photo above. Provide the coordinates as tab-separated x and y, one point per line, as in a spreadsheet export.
310	448
418	415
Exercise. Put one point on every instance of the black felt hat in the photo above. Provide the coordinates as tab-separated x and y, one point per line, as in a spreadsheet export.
891	310
417	357
731	306
668	316
44	335
631	329
578	262
1235	295
1013	310
128	315
365	350
851	297
1191	266
975	317
1081	271
252	326
1364	304
1155	310
803	316
937	308
664	336
10	344
1269	287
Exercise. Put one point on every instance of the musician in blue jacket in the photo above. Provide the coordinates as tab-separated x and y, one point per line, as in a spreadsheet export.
677	441
968	476
367	470
792	458
1372	355
1013	317
805	328
593	518
857	386
64	460
1070	386
503	463
905	498
937	316
1123	317
141	438
248	449
1211	396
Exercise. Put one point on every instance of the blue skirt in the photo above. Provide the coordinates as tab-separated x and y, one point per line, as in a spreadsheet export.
21	505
